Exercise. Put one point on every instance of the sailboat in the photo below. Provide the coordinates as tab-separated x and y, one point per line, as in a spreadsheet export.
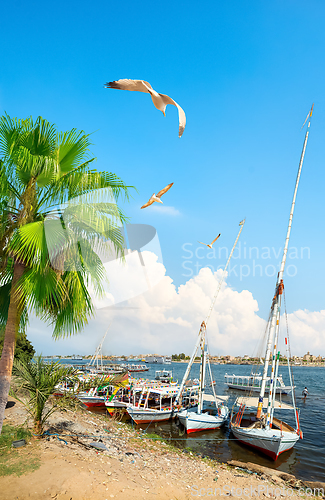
210	411
261	430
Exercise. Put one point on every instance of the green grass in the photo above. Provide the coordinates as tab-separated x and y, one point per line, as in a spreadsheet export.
152	435
10	434
14	461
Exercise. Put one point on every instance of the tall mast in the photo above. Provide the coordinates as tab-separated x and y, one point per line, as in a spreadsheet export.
98	353
285	250
224	273
202	374
204	323
274	326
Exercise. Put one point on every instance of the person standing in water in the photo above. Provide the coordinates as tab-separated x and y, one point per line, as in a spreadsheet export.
304	393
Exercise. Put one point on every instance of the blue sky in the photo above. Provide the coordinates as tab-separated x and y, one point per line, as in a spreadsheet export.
246	74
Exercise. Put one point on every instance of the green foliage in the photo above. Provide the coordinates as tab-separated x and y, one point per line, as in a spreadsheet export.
54	211
24	349
179	357
36	382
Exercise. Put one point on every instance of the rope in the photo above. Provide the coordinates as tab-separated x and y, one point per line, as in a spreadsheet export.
47	433
289	352
287	325
141	436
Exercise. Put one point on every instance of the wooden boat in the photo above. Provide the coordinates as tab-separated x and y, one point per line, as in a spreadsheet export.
93	401
262	430
154	405
209	413
150	415
93	398
272	440
212	416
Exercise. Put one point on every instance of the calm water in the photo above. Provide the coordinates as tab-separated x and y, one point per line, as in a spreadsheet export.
306	460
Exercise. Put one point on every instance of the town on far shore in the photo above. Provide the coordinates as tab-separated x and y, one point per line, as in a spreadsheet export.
306	360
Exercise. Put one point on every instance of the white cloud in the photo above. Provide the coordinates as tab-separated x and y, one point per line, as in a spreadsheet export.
307	332
165	210
127	279
166	320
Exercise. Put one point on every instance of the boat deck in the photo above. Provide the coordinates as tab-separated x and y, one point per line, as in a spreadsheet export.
251	422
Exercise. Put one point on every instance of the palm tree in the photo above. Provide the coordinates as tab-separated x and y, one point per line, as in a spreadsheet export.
38	379
55	211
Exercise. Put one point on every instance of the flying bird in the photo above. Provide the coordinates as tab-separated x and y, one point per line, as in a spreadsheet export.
157	197
160	100
210	246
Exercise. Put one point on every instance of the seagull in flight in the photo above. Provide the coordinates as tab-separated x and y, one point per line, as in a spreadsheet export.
157	197
160	100
210	246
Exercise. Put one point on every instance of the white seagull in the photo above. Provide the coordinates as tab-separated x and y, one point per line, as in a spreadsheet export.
210	246
157	197
160	100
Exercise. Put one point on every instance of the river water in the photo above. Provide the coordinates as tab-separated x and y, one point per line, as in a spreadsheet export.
306	460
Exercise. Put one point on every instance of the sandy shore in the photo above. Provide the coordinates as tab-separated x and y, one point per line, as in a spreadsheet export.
131	467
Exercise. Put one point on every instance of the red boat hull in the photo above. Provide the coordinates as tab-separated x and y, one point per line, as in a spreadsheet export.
94	405
262	450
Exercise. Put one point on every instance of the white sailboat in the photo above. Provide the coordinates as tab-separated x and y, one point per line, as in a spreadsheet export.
210	412
262	430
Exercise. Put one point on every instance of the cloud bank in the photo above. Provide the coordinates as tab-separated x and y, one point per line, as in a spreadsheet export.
166	320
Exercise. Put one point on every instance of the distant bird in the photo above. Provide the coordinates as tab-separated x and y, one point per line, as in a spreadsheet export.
160	100
157	197
242	222
210	246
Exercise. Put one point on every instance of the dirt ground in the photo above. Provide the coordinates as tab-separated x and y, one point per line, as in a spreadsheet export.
130	468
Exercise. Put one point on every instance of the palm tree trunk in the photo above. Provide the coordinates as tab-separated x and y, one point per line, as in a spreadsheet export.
7	357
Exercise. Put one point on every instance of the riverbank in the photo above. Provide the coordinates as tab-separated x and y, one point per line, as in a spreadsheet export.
133	466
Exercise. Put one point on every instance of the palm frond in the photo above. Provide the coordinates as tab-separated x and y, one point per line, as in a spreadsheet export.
29	244
72	148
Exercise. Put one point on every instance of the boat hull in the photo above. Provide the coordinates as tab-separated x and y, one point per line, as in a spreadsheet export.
249	388
147	416
116	406
95	402
194	422
272	442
